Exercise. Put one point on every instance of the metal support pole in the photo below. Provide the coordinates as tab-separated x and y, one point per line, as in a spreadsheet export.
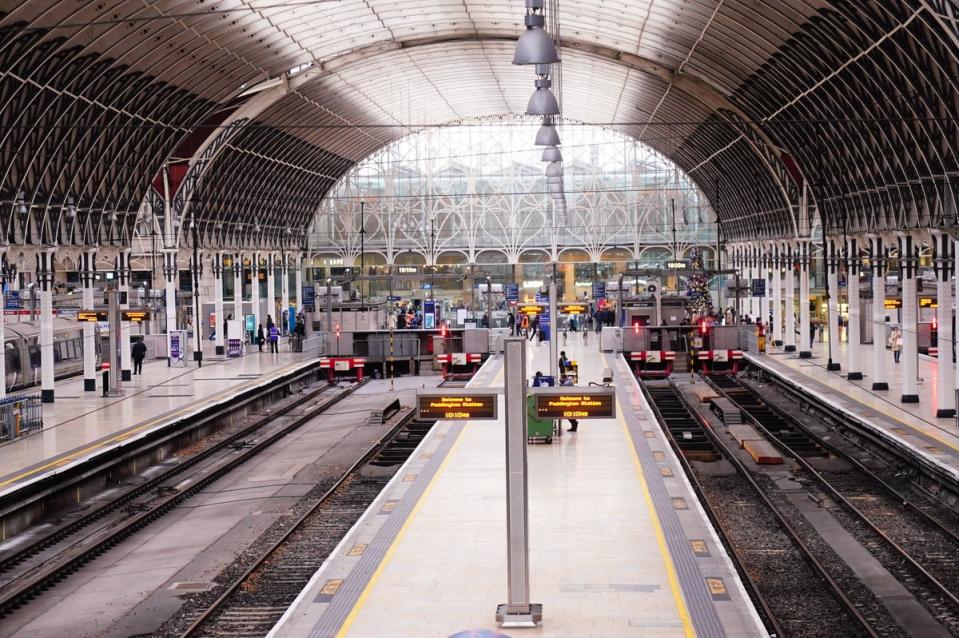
805	347
832	305
89	274
113	314
553	340
789	303
219	339
197	337
45	282
123	281
854	338
518	611
777	294
877	263
910	349
945	393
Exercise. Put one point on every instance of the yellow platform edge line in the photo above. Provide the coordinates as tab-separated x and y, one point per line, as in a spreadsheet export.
674	585
388	556
136	429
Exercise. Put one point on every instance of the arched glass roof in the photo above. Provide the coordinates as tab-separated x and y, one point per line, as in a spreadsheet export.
460	193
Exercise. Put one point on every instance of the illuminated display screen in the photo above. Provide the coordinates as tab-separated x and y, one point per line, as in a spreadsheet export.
92	315
531	309
135	315
573	308
927	302
456	406
575	405
892	304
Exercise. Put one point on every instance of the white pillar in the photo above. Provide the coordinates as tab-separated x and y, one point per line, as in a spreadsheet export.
3	338
123	285
877	260
945	381
910	350
271	288
789	338
255	290
45	284
218	341
853	347
238	290
89	275
196	276
776	335
298	293
832	307
169	287
805	351
285	296
763	273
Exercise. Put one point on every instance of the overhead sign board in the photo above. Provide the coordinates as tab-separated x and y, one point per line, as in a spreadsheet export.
676	265
575	403
927	302
512	293
892	304
573	308
759	287
92	316
406	270
136	315
457	406
530	308
599	290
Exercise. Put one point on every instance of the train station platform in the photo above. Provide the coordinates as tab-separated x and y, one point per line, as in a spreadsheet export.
915	424
80	425
618	543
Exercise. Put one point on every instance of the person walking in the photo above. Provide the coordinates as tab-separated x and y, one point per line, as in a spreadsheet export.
533	328
564	364
138	352
895	342
260	337
274	339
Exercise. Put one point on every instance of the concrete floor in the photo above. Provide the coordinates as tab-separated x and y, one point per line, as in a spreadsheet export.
137	586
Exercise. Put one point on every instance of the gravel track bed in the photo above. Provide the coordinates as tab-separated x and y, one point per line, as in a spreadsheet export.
802	603
255	608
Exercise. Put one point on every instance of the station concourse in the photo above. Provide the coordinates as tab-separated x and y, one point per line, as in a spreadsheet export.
265	235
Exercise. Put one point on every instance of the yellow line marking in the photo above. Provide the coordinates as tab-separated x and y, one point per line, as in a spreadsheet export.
72	456
658	529
388	556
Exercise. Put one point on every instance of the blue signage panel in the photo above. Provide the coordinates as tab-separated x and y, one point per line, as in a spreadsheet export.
393	298
543	319
309	297
599	290
542	297
759	287
12	300
512	293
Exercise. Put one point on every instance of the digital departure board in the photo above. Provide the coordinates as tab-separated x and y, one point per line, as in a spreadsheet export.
573	308
92	316
573	403
892	304
530	309
136	315
456	406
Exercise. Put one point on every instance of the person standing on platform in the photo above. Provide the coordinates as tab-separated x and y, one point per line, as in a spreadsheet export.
533	328
511	323
260	337
564	364
567	381
895	342
138	352
274	339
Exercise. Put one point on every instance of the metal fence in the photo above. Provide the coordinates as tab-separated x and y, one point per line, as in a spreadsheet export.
20	415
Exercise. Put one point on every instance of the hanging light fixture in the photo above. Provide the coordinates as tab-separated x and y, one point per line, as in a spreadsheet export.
557	179
556	188
555	169
535	46
71	208
21	203
552	154
542	102
547	135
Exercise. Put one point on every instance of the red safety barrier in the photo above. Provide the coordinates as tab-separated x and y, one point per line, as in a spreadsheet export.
342	364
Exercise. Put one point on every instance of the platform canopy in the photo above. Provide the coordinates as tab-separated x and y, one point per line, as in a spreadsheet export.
244	113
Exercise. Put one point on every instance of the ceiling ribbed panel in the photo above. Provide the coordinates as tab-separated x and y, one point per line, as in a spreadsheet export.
753	97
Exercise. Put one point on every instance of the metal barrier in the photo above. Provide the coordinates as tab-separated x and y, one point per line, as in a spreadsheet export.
750	340
20	415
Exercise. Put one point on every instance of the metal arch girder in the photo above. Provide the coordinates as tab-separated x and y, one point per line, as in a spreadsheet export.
769	154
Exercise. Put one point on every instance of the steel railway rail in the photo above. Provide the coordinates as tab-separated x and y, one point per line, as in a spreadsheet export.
775	602
38	566
877	528
253	602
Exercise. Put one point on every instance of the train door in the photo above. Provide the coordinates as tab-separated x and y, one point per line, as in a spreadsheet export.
31	362
13	365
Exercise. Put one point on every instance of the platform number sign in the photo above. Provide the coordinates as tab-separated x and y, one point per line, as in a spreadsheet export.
759	287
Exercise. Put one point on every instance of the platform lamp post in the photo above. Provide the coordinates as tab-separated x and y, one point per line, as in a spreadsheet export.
198	353
829	256
362	249
433	261
489	302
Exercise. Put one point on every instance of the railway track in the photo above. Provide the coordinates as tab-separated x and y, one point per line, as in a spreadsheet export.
251	604
812	600
916	547
36	567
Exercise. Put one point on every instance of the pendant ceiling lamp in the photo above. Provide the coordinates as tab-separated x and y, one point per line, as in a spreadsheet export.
547	135
535	46
552	154
542	102
554	169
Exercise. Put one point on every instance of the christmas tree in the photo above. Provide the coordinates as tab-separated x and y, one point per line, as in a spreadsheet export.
700	302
